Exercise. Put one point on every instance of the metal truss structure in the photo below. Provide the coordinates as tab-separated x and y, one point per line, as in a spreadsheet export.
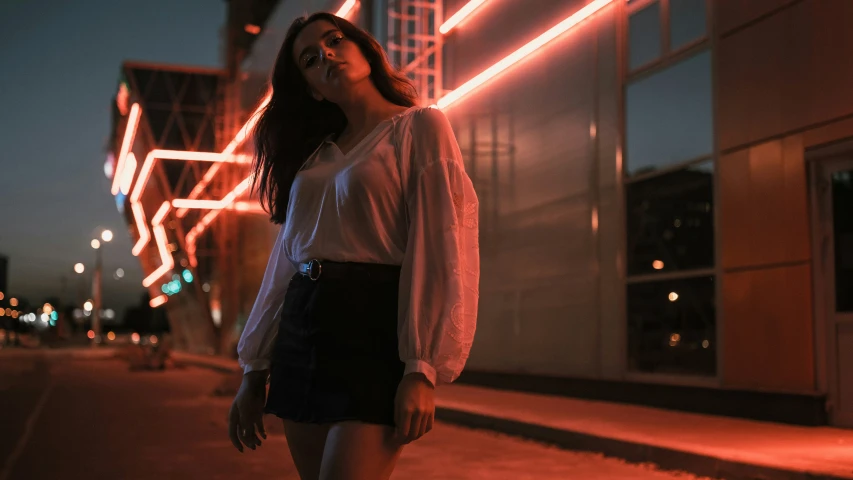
172	124
415	44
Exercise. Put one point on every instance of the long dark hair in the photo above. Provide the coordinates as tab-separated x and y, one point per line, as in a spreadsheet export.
294	123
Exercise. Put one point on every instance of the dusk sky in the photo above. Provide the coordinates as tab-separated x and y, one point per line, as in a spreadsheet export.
59	67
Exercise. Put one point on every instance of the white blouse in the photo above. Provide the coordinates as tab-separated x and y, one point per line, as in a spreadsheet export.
399	197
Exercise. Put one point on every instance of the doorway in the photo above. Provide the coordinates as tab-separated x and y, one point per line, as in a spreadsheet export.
832	199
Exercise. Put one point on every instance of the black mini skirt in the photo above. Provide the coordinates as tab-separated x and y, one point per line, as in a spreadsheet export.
336	355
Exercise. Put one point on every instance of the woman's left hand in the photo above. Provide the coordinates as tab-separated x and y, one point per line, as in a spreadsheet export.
414	408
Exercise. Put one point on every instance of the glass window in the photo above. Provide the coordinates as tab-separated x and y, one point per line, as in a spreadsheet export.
644	36
671	221
687	22
669	116
672	326
842	227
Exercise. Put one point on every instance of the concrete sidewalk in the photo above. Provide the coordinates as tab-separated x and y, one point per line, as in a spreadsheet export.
718	447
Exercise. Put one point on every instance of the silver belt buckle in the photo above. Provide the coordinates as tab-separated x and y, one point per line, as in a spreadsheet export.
314	269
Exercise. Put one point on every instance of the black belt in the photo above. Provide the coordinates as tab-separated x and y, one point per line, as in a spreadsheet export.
314	269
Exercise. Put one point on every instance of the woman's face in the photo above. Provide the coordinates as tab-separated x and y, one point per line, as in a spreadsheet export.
329	62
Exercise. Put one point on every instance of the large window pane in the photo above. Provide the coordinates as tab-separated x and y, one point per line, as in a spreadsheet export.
671	221
669	116
644	36
687	22
672	327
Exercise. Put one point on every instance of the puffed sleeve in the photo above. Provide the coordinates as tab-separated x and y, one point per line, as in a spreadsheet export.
256	342
441	269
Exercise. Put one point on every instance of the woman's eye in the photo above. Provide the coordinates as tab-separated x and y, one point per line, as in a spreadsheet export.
337	40
309	62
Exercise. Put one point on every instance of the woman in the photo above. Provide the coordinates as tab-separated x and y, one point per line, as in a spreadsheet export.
369	299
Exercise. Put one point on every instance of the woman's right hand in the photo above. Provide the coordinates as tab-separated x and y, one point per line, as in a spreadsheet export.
247	412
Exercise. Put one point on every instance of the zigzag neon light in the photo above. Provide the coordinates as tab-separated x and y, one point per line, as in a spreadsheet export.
145	175
166	260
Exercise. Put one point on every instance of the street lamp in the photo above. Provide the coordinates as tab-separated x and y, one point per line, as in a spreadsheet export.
79	268
106	236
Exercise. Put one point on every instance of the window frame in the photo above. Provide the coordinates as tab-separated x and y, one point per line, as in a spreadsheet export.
628	76
668	55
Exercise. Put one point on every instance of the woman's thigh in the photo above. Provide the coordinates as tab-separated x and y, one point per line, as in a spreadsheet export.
306	442
359	451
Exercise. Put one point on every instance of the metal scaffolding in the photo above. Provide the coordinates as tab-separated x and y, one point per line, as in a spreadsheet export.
415	44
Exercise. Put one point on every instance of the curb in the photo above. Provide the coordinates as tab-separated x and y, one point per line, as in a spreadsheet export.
665	458
219	364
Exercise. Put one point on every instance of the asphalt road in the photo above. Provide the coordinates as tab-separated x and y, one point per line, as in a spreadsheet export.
65	416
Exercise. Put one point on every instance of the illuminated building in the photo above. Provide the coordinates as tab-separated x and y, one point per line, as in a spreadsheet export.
662	184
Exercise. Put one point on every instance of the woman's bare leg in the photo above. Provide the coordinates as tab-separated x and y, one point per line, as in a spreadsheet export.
359	451
306	442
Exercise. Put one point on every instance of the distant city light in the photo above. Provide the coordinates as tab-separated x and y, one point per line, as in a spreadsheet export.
2	296
95	243
111	336
79	267
252	29
107	235
54	316
188	276
120	273
657	265
206	287
109	313
88	306
153	339
705	343
134	337
91	334
673	296
13	302
674	339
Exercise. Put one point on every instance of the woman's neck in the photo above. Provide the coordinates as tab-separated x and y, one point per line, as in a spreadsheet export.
365	108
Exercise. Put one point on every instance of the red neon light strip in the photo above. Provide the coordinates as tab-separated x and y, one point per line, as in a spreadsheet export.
126	143
157	301
460	15
346	8
518	55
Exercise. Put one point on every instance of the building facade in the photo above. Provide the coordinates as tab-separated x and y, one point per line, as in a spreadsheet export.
665	191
